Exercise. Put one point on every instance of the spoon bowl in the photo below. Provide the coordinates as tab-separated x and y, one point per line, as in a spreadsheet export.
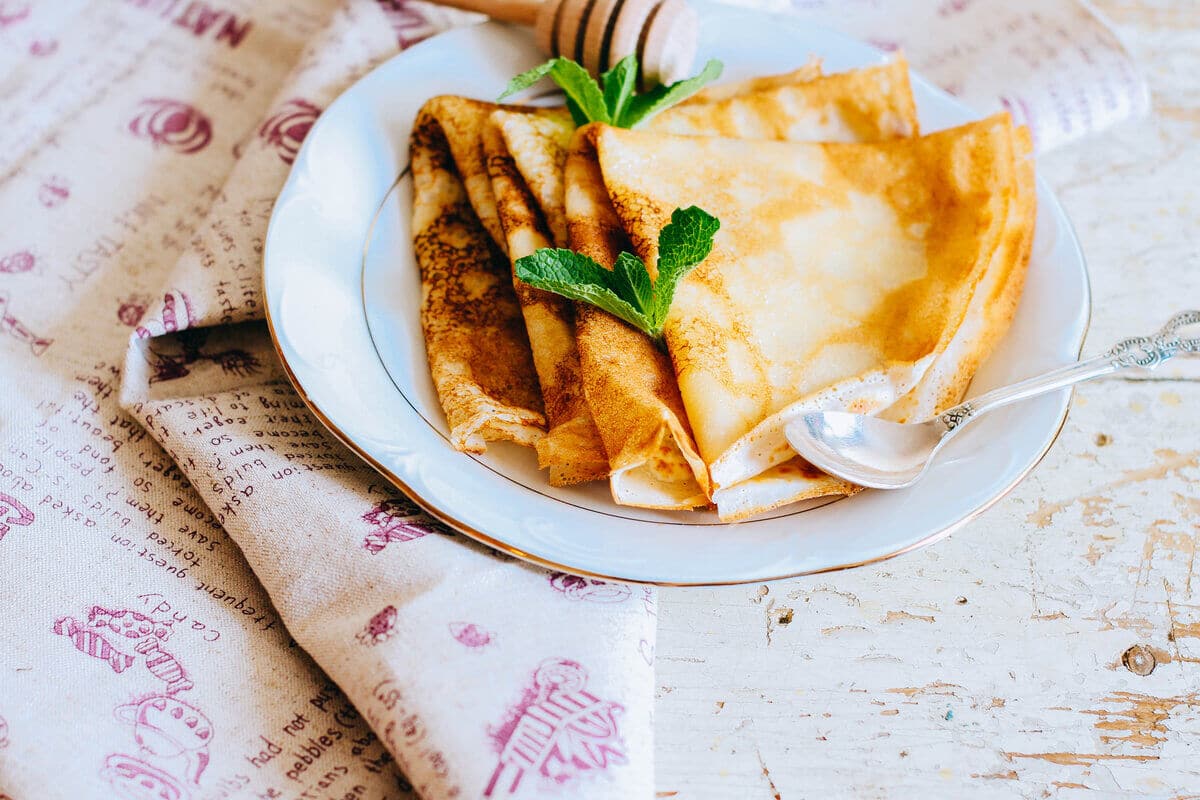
879	454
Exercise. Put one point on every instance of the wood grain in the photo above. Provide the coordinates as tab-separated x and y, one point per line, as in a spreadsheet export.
1051	649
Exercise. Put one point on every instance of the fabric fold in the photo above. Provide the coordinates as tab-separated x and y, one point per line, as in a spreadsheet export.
482	675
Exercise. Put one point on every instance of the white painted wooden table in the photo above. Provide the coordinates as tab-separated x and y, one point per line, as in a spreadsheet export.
1051	649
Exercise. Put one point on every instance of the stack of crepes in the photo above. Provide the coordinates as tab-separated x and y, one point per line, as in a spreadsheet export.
859	266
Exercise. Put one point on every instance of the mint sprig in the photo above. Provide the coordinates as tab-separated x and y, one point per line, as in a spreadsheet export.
644	106
627	291
613	100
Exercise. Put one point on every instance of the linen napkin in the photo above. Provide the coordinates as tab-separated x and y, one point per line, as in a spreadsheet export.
152	453
145	655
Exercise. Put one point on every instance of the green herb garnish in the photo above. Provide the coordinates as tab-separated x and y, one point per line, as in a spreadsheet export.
613	100
626	291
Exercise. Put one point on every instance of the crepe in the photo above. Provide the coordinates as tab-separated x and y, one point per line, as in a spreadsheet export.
629	384
862	105
642	424
759	83
525	155
571	450
475	338
992	306
841	274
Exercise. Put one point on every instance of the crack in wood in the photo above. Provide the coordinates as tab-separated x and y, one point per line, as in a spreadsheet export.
900	616
1079	759
936	688
766	773
1011	775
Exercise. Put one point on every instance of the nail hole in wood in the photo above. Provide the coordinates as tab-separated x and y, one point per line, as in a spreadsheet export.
1139	660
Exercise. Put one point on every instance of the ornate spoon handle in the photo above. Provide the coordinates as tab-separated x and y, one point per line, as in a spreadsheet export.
1143	352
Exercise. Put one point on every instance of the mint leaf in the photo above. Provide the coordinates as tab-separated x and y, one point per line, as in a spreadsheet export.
527	79
626	290
634	282
644	106
577	114
580	88
577	277
686	240
682	244
560	265
619	83
616	103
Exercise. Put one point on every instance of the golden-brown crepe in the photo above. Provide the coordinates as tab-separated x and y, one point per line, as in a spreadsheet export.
862	105
992	306
629	384
475	336
761	83
571	449
525	155
841	274
491	178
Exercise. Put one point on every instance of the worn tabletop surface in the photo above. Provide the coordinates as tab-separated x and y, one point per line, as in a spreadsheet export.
1051	648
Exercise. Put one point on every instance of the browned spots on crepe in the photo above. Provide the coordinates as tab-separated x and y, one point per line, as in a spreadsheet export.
461	121
629	383
572	449
475	337
537	144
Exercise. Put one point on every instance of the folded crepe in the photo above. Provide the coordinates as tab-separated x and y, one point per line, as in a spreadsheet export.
643	430
760	83
571	450
525	156
629	384
864	277
475	338
862	105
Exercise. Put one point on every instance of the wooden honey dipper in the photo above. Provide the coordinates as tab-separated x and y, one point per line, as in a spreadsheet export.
599	33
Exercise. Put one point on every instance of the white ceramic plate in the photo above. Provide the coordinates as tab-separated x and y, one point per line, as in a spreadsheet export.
343	292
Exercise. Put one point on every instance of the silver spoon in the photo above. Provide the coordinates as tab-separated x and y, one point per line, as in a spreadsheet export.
891	455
